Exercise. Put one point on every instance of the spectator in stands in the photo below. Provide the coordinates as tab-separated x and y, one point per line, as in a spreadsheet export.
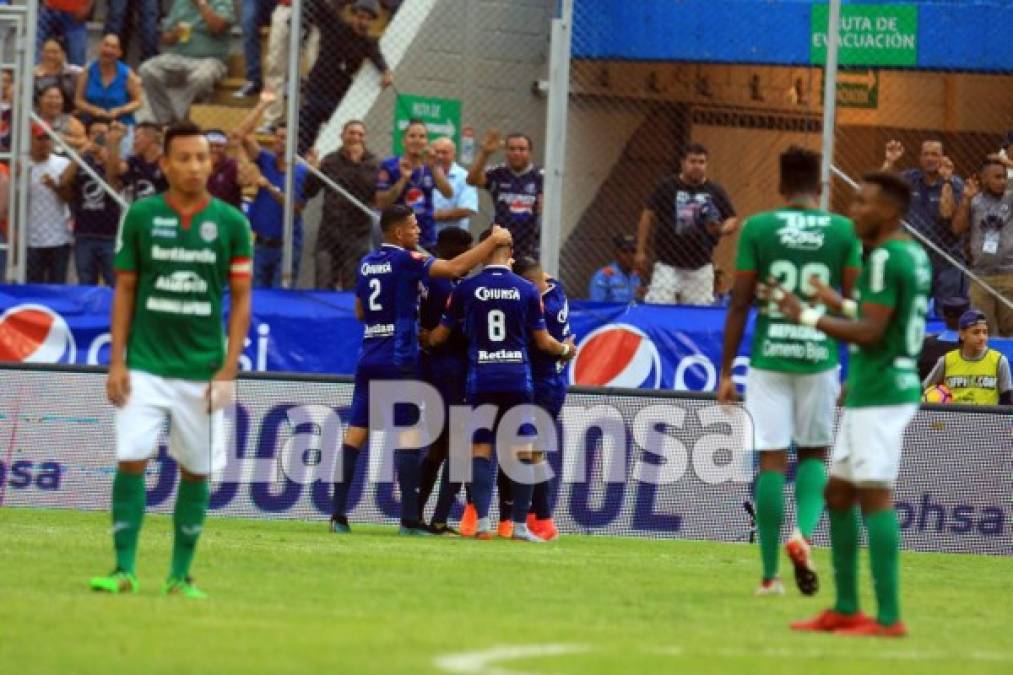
267	210
935	346
277	61
224	179
935	195
344	46
345	233
1005	155
118	21
457	210
140	174
197	39
108	89
693	213
974	373
618	281
53	69
51	110
254	15
65	18
48	216
96	214
516	188
411	180
987	211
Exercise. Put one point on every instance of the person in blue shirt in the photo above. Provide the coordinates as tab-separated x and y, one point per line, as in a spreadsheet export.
515	186
267	212
547	373
411	179
445	367
500	314
387	303
618	281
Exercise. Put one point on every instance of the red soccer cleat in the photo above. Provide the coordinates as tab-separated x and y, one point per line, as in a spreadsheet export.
469	521
872	628
484	535
545	529
829	621
505	529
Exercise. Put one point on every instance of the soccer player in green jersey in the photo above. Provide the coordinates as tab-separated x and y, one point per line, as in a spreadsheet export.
793	381
177	253
886	330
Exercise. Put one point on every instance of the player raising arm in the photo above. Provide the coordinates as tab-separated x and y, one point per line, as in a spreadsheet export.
176	254
886	329
792	385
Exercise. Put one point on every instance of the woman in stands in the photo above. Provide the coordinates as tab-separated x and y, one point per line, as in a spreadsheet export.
109	90
50	106
53	69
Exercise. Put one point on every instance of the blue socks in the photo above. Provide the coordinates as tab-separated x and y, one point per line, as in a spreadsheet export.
349	458
523	490
540	501
482	476
408	474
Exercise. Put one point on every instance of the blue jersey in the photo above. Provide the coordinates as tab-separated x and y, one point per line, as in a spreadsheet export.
387	286
497	311
547	370
417	195
517	198
435	296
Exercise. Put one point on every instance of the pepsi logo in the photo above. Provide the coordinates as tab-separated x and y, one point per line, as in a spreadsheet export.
414	197
617	355
35	334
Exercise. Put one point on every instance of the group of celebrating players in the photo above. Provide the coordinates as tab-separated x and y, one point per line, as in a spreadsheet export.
500	337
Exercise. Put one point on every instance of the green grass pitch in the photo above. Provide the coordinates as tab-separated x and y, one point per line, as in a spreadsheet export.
287	597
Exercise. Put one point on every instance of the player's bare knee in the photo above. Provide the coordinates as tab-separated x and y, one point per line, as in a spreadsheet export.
812	453
133	467
191	477
483	450
774	460
873	498
839	495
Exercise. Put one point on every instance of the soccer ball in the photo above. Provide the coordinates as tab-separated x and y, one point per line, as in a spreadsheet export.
937	393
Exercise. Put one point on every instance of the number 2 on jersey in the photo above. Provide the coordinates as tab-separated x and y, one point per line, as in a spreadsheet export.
792	278
374	287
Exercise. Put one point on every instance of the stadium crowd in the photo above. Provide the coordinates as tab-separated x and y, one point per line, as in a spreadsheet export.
111	112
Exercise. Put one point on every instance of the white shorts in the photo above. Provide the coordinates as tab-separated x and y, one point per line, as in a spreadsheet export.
674	285
196	437
786	407
869	443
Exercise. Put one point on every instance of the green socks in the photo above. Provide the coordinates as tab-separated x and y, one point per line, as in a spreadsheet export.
810	480
129	500
769	515
188	521
844	529
884	543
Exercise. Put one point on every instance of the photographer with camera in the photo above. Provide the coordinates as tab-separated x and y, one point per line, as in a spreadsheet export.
693	213
986	210
96	214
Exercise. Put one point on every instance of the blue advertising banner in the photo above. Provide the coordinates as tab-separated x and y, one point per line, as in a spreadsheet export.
637	346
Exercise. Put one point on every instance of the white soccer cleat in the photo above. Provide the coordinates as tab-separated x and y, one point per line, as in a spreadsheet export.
770	587
800	553
522	533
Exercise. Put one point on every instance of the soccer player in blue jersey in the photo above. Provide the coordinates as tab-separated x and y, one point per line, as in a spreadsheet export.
500	314
548	379
515	187
411	179
387	302
445	367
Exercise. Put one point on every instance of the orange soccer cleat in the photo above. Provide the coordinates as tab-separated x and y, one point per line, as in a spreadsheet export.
828	621
872	628
505	529
545	528
469	520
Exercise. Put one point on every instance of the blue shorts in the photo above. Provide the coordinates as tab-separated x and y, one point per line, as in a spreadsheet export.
405	414
550	398
447	374
504	402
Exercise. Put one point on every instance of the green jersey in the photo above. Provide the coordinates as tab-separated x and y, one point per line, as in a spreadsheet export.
793	244
183	265
897	275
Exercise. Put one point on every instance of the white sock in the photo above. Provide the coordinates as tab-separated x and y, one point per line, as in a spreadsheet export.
483	525
520	529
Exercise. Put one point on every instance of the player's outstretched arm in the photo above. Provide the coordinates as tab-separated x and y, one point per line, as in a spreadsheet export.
566	351
464	263
437	336
118	381
735	327
865	331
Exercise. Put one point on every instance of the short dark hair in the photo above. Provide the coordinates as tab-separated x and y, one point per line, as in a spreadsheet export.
150	126
894	188
525	264
454	236
992	161
518	134
45	90
95	120
344	127
394	215
694	149
60	42
412	122
180	130
800	171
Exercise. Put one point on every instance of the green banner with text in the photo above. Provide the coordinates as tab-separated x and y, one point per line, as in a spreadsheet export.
441	115
871	35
